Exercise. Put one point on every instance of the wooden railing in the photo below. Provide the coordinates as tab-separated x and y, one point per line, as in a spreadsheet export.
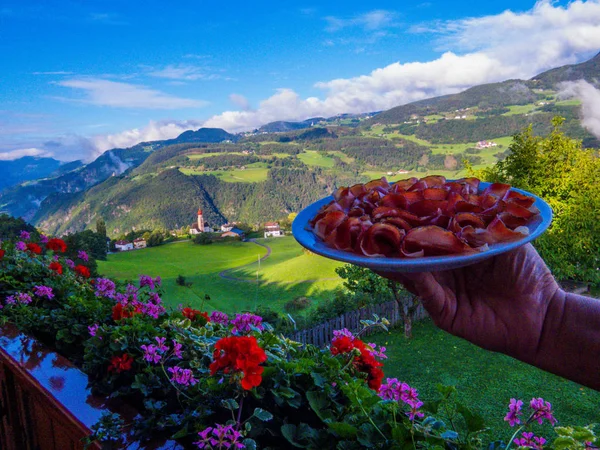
45	403
322	334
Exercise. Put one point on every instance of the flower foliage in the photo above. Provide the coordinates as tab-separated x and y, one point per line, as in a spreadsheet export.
212	382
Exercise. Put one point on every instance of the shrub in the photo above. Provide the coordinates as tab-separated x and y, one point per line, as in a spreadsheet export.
297	304
203	239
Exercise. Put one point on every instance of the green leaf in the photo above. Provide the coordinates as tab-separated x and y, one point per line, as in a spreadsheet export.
474	421
249	444
344	430
181	433
299	436
318	401
230	404
263	415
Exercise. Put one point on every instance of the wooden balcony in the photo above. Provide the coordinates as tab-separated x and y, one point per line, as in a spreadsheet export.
45	403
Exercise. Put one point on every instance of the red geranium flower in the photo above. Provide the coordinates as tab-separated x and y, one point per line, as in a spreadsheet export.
56	245
365	362
82	270
194	314
240	354
56	267
2	252
120	363
34	248
120	312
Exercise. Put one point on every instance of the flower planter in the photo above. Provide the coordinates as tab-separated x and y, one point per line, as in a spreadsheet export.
45	403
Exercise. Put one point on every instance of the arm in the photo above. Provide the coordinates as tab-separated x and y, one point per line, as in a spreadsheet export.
512	304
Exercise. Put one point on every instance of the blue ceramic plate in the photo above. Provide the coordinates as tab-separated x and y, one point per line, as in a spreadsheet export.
304	235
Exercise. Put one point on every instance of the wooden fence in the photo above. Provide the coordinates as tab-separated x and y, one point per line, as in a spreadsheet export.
322	334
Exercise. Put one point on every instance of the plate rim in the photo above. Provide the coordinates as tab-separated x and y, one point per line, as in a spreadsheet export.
311	242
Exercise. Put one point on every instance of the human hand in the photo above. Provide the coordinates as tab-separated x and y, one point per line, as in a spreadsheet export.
499	304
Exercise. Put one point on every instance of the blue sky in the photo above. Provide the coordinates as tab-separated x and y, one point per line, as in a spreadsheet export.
78	78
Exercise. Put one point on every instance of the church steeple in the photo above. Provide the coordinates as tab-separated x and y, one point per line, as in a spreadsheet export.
200	221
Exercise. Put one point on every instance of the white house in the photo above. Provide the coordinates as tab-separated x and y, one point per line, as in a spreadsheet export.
227	227
139	243
272	230
123	246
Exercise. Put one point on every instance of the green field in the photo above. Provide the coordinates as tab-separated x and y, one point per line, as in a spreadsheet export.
314	158
194	156
280	276
248	175
486	381
519	109
449	174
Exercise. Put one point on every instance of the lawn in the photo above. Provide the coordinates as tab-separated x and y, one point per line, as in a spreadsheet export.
485	380
248	175
314	158
280	282
519	109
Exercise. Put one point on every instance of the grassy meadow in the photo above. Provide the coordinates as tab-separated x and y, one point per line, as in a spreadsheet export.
485	381
280	278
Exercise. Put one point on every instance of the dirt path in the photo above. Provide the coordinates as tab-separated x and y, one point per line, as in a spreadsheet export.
225	273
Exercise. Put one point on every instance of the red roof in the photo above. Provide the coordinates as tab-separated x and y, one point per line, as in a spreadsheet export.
271	224
139	240
122	242
199	212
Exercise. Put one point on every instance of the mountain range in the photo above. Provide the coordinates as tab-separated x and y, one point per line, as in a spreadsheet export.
283	166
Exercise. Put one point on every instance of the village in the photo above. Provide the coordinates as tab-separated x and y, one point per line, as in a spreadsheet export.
201	227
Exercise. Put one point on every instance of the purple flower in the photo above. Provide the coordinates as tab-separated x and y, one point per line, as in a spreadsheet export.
81	254
542	410
158	281
131	290
43	239
531	441
123	299
414	410
514	411
93	329
177	349
244	323
152	310
105	288
151	354
70	263
377	353
161	344
21	298
390	390
181	376
25	299
21	246
343	332
25	235
219	317
146	280
220	437
43	291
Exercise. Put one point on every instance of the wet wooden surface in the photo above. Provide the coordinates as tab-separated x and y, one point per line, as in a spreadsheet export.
45	403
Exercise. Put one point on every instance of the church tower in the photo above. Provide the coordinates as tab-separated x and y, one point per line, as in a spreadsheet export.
200	221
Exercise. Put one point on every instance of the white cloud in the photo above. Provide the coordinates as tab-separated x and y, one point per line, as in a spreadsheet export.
240	101
124	95
154	131
590	103
370	21
183	73
20	153
499	47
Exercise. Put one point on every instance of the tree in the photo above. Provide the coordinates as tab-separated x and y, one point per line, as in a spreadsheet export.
566	176
203	239
101	227
362	280
155	239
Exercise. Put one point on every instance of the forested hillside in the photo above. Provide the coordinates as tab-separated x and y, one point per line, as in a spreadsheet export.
284	166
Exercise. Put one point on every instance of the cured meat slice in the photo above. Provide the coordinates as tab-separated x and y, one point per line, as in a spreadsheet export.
381	239
432	240
328	223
